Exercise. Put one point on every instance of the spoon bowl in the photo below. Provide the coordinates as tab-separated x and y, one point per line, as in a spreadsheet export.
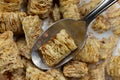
77	29
70	26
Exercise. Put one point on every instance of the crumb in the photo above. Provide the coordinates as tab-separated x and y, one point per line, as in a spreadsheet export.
55	13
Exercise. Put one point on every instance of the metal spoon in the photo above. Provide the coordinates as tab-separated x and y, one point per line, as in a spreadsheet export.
76	28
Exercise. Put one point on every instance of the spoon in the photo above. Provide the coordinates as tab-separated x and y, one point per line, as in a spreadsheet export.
76	28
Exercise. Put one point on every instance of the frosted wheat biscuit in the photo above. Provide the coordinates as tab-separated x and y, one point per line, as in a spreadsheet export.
57	48
107	46
55	13
115	23
10	5
9	54
87	7
66	39
11	21
75	69
69	9
56	74
54	51
32	27
39	7
23	49
113	66
101	24
97	73
33	73
90	52
113	9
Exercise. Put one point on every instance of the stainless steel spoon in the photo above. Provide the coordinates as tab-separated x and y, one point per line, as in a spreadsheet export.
76	28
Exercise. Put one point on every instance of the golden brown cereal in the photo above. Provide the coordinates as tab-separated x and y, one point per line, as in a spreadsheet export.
57	48
18	74
98	73
55	13
10	5
56	74
113	66
115	23
75	69
32	27
116	12
87	7
107	46
101	24
39	7
112	8
69	9
11	21
9	54
23	49
90	52
33	73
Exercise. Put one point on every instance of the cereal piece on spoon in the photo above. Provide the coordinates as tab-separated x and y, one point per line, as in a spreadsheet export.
57	48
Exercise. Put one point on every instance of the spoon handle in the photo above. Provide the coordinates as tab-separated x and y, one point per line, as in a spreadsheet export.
105	4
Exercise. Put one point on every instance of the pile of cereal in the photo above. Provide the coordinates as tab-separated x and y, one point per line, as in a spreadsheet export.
19	28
